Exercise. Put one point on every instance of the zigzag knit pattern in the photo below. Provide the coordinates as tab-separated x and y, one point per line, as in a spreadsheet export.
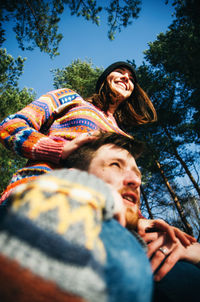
50	237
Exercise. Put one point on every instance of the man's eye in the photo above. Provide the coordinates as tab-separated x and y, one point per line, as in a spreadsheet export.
115	164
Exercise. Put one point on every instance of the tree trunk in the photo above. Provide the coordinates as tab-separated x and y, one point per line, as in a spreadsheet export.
182	162
175	199
146	202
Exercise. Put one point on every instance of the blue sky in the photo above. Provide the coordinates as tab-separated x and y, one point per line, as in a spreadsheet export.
84	40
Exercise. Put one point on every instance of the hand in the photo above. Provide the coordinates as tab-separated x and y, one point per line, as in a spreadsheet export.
77	142
163	260
149	230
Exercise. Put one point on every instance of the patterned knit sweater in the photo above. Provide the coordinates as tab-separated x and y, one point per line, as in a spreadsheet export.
50	238
40	130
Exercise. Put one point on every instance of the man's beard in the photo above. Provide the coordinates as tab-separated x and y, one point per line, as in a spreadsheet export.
132	218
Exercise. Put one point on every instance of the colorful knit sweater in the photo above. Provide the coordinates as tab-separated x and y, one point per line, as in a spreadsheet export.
40	130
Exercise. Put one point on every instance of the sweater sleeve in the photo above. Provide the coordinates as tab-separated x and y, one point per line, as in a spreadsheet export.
23	132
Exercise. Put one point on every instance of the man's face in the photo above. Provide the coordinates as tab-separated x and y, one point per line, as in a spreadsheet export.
118	168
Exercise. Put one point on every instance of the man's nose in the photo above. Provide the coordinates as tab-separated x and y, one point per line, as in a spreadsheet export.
132	179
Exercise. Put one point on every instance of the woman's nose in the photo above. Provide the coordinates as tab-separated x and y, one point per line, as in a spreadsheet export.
125	76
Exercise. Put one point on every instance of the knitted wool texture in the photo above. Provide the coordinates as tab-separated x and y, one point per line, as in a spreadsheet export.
49	239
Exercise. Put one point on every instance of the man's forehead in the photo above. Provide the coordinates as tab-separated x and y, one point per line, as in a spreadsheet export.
110	150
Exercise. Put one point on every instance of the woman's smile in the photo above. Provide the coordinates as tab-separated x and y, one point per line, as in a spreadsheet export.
121	83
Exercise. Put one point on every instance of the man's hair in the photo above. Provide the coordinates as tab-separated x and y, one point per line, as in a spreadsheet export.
82	157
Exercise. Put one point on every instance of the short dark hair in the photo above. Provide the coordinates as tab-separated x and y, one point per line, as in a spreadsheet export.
82	157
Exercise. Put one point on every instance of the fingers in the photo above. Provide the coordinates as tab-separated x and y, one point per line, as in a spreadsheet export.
168	263
149	237
85	138
161	225
183	237
157	260
143	225
174	232
155	245
77	142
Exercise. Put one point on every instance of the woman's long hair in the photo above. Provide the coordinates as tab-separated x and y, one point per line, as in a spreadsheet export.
136	110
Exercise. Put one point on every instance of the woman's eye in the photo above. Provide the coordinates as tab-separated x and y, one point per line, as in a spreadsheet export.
120	71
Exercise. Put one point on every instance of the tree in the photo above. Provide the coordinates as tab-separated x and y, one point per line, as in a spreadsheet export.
182	162
169	144
144	196
36	21
12	99
79	75
10	70
175	198
177	52
175	55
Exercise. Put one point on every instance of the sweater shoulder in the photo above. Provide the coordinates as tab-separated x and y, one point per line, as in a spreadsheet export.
63	95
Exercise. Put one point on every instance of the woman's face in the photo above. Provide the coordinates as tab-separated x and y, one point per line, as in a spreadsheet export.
121	82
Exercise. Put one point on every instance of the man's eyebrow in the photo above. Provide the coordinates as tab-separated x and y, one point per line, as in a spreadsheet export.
119	159
138	172
123	161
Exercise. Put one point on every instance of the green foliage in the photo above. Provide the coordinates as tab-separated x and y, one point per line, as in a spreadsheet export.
168	142
172	81
177	53
10	70
121	16
79	76
12	99
36	22
9	164
88	9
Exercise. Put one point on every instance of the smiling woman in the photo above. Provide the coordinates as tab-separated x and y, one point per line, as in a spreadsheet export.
49	129
121	82
130	106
